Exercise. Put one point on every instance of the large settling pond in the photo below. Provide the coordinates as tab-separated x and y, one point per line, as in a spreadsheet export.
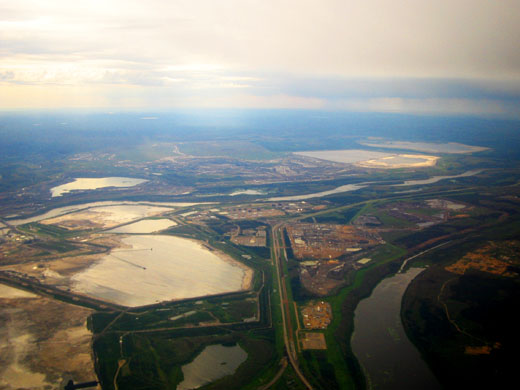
372	159
389	359
154	268
145	226
84	183
214	362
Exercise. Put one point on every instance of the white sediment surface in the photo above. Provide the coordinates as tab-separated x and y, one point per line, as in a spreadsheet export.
428	147
93	205
156	268
84	183
373	159
145	226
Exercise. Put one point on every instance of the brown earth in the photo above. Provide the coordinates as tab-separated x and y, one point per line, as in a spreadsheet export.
313	341
327	241
57	272
493	258
44	343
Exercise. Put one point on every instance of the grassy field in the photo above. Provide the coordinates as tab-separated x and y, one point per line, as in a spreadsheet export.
233	149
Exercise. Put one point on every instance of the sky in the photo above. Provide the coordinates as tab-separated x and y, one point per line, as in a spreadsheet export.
455	57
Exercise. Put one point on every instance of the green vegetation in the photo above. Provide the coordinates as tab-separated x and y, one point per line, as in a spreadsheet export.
234	149
154	360
343	216
146	347
480	332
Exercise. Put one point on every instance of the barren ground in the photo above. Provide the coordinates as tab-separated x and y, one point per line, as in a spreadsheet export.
43	343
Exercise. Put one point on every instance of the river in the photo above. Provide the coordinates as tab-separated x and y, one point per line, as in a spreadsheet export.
388	358
435	179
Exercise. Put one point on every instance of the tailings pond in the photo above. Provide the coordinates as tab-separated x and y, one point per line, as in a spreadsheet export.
145	226
84	183
154	268
214	362
389	360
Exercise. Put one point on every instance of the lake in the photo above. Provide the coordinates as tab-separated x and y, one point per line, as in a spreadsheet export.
348	156
83	183
155	268
372	159
214	362
429	147
388	358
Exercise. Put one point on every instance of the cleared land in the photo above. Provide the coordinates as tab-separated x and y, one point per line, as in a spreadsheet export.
43	342
493	258
328	241
313	340
105	217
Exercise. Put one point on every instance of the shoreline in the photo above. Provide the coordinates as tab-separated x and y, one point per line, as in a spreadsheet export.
248	272
429	161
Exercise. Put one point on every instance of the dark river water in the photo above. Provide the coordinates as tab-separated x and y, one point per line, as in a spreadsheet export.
388	358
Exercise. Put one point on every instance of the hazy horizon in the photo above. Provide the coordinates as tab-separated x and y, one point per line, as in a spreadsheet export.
444	58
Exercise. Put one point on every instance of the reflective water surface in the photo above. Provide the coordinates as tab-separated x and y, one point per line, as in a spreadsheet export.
214	362
389	359
83	183
145	226
155	268
435	179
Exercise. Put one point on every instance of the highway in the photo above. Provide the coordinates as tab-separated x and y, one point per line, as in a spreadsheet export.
288	333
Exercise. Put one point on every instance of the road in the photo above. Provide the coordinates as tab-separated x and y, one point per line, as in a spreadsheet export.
288	333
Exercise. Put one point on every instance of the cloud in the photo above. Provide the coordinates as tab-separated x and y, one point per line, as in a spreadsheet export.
317	54
444	106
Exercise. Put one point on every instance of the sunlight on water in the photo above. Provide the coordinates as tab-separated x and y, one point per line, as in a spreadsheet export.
156	268
94	183
214	362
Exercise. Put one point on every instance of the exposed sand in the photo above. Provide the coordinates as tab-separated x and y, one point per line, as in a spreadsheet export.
40	348
428	147
347	156
400	161
145	226
92	205
247	279
106	217
132	274
372	159
11	292
94	184
59	271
